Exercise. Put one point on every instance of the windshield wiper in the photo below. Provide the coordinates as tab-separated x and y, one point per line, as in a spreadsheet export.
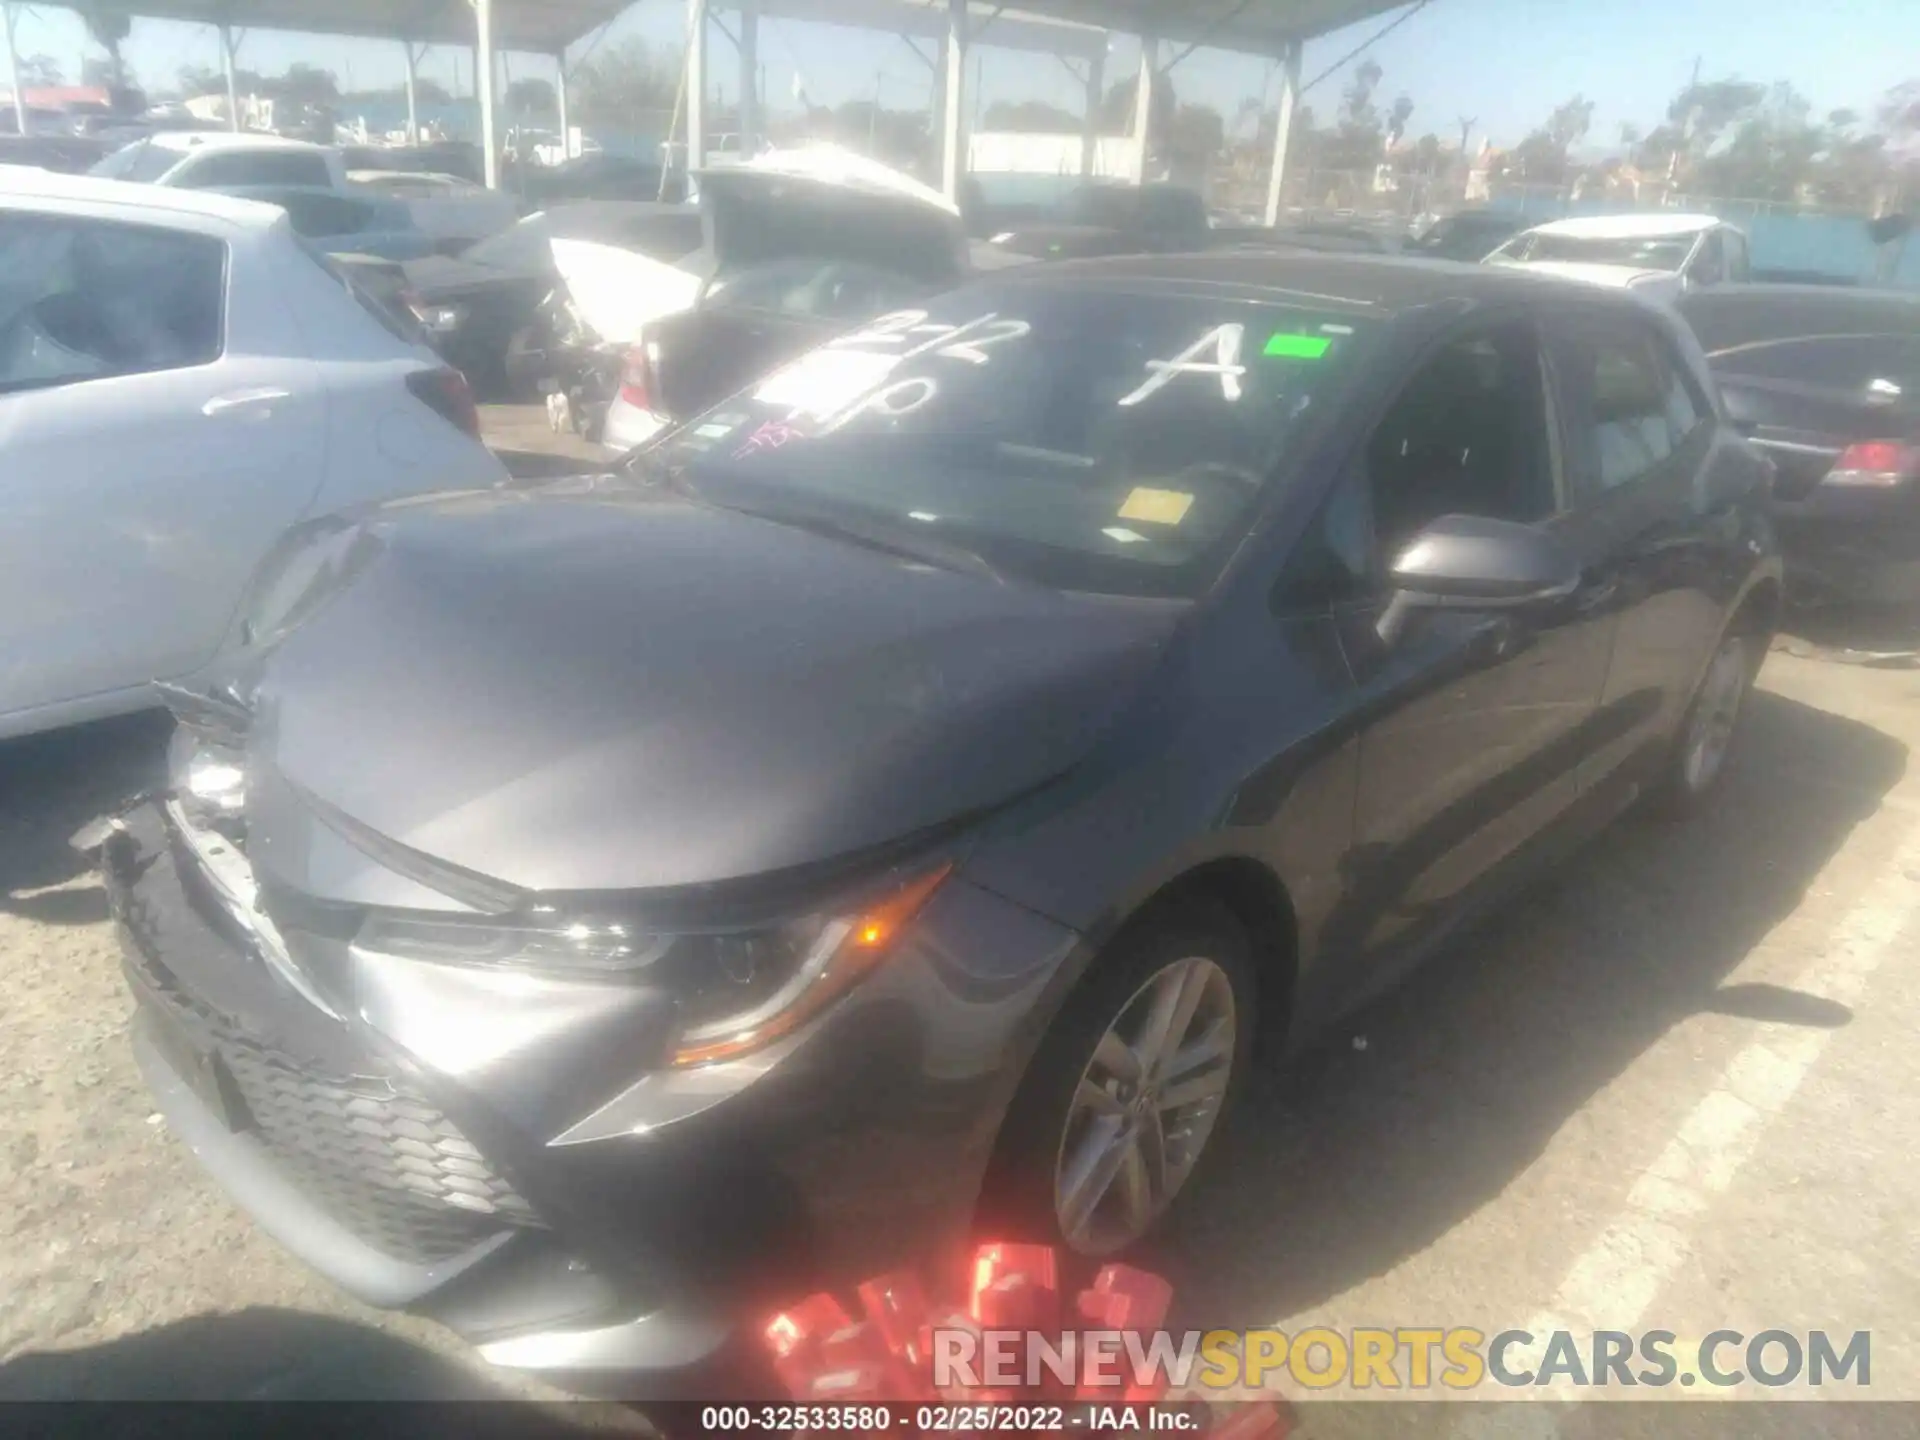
927	550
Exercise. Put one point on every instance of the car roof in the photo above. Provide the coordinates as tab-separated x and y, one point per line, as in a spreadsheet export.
1733	317
184	140
1628	227
44	186
1380	284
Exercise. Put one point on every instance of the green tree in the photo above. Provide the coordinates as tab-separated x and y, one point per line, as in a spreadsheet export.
109	30
623	81
1542	158
303	83
532	96
41	70
1034	117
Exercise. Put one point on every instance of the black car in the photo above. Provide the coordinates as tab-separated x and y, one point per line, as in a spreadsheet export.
1827	382
1106	219
905	796
598	177
1468	236
483	304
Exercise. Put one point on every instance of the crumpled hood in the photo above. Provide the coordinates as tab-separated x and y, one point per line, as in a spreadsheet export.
624	692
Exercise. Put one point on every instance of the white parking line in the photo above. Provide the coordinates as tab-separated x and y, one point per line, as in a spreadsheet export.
1614	1283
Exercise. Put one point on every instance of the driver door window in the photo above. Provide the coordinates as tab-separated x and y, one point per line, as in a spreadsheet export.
1467	435
1709	266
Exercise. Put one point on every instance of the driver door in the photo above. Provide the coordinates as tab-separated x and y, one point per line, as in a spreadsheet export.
1472	721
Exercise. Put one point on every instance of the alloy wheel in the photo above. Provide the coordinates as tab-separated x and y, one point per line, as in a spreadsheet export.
1145	1106
1715	713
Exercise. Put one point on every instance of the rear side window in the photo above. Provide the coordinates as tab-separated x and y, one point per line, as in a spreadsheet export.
90	299
142	162
1883	364
1630	406
222	168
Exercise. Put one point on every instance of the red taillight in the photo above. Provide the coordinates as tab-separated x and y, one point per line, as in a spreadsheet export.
448	395
1875	462
636	379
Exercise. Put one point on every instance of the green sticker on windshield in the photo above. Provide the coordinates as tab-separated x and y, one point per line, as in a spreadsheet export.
1297	347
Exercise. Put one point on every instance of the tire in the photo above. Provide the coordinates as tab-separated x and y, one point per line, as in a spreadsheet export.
1056	1147
1697	762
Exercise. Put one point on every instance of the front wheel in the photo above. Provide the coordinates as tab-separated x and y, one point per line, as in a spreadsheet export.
1699	758
1120	1105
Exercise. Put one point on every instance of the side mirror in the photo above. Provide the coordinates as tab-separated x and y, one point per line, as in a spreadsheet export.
1467	562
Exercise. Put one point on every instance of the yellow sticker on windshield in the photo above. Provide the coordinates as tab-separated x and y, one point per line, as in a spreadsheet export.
1157	507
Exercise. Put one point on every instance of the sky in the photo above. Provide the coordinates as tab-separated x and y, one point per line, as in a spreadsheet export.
1505	64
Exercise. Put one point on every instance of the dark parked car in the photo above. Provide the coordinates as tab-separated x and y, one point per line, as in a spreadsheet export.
1468	236
597	177
789	263
484	303
909	793
1827	382
1106	219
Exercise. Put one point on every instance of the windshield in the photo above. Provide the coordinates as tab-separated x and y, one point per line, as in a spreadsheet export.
142	161
1641	252
1087	439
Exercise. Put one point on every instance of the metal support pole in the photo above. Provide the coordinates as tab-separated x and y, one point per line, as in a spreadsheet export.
748	44
229	53
953	162
483	78
1090	129
565	103
413	93
9	17
1143	106
696	89
1283	126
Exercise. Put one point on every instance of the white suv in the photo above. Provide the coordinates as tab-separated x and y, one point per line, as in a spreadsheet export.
181	380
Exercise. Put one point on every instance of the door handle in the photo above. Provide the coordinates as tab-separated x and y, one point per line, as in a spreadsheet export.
242	400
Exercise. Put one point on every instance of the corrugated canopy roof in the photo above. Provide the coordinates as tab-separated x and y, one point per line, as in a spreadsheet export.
543	26
1070	27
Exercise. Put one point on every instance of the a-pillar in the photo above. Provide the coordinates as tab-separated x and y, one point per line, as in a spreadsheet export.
1283	126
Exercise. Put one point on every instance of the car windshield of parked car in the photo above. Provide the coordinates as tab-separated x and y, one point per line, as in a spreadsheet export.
1641	252
1089	439
142	161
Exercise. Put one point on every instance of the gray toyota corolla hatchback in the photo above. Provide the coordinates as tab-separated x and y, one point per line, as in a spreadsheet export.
903	797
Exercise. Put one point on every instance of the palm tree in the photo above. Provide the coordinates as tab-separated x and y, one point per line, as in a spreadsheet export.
108	29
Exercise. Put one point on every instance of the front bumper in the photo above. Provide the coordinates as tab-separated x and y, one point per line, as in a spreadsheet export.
613	1246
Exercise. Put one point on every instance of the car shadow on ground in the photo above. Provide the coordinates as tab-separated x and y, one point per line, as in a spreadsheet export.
1860	635
50	786
276	1357
1351	1159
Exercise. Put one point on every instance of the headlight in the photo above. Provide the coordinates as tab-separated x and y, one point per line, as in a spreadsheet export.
737	991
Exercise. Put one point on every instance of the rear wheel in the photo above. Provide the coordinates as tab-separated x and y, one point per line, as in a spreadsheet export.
1120	1106
1699	756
